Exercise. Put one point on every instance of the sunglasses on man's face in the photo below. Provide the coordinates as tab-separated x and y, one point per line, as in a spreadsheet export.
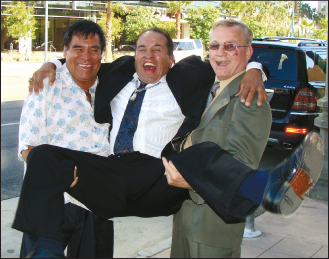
227	46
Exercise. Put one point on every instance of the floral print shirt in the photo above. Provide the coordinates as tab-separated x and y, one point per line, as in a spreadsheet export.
61	116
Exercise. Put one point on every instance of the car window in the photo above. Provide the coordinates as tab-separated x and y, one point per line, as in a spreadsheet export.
179	45
189	46
282	64
316	66
198	44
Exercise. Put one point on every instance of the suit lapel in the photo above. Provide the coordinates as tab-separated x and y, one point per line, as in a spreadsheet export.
220	101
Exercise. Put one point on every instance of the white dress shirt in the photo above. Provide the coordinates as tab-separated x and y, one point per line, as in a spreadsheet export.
159	119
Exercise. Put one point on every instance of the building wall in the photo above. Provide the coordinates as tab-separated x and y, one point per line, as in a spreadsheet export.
62	14
321	4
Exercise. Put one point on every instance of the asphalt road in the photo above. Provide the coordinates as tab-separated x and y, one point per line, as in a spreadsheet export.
11	168
14	82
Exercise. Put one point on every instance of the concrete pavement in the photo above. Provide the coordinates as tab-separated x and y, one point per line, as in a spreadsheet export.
14	79
305	235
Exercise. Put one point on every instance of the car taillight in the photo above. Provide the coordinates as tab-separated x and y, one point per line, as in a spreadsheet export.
305	100
296	130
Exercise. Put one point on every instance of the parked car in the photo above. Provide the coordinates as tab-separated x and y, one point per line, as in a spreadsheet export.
297	73
187	47
127	48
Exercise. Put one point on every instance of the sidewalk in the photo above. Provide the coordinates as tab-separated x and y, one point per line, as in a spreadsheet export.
305	235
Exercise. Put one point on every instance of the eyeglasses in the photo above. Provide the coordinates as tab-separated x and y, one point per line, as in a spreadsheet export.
227	46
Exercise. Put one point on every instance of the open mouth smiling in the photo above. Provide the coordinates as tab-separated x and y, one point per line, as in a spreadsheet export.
149	67
85	66
222	63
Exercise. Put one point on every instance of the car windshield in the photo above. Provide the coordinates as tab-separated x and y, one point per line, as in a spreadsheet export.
282	64
198	44
179	45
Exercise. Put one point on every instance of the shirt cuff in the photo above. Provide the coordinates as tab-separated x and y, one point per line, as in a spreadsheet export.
20	149
56	62
257	65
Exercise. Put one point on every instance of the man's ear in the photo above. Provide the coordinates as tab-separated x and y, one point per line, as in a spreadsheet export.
171	60
249	53
64	52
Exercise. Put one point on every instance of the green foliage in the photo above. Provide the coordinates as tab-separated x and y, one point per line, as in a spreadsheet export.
258	29
138	20
307	26
201	20
268	18
322	32
265	18
231	8
169	26
119	9
21	22
117	26
177	5
307	12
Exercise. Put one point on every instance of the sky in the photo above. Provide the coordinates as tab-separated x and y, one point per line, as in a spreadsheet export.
312	4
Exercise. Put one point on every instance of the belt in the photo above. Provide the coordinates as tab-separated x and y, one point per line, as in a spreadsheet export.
196	198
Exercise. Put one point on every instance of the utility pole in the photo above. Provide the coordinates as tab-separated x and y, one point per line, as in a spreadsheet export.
292	24
46	30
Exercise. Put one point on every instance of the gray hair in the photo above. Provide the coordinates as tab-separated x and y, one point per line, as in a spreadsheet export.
247	32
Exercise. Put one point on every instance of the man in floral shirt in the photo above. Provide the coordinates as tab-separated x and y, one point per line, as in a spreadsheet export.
63	115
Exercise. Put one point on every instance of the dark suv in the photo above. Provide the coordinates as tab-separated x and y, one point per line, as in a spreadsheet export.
297	80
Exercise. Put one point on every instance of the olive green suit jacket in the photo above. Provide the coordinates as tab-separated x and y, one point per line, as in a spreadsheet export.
243	132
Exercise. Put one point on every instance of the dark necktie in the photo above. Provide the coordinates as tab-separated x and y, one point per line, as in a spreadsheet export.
124	140
212	93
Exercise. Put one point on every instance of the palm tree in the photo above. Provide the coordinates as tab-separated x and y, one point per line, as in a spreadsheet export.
118	8
307	26
176	8
231	8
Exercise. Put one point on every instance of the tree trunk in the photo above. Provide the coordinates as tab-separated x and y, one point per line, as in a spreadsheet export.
108	53
178	24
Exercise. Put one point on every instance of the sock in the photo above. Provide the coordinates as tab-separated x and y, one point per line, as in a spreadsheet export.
253	187
52	245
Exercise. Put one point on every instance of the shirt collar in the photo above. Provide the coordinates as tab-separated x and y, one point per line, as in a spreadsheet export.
224	83
162	79
69	76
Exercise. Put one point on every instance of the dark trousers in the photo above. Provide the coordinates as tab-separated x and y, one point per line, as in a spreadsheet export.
130	185
85	235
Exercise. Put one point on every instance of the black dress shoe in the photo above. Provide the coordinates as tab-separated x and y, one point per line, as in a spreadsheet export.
294	177
40	252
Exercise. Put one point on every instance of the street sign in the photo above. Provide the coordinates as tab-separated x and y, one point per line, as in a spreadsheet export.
297	9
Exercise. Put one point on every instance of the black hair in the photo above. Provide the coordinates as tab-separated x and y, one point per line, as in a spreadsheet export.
83	28
170	44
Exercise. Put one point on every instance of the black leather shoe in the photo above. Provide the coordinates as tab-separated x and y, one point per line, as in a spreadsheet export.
294	177
40	252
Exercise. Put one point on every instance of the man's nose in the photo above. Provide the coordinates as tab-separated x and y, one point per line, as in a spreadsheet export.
221	51
85	55
149	53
